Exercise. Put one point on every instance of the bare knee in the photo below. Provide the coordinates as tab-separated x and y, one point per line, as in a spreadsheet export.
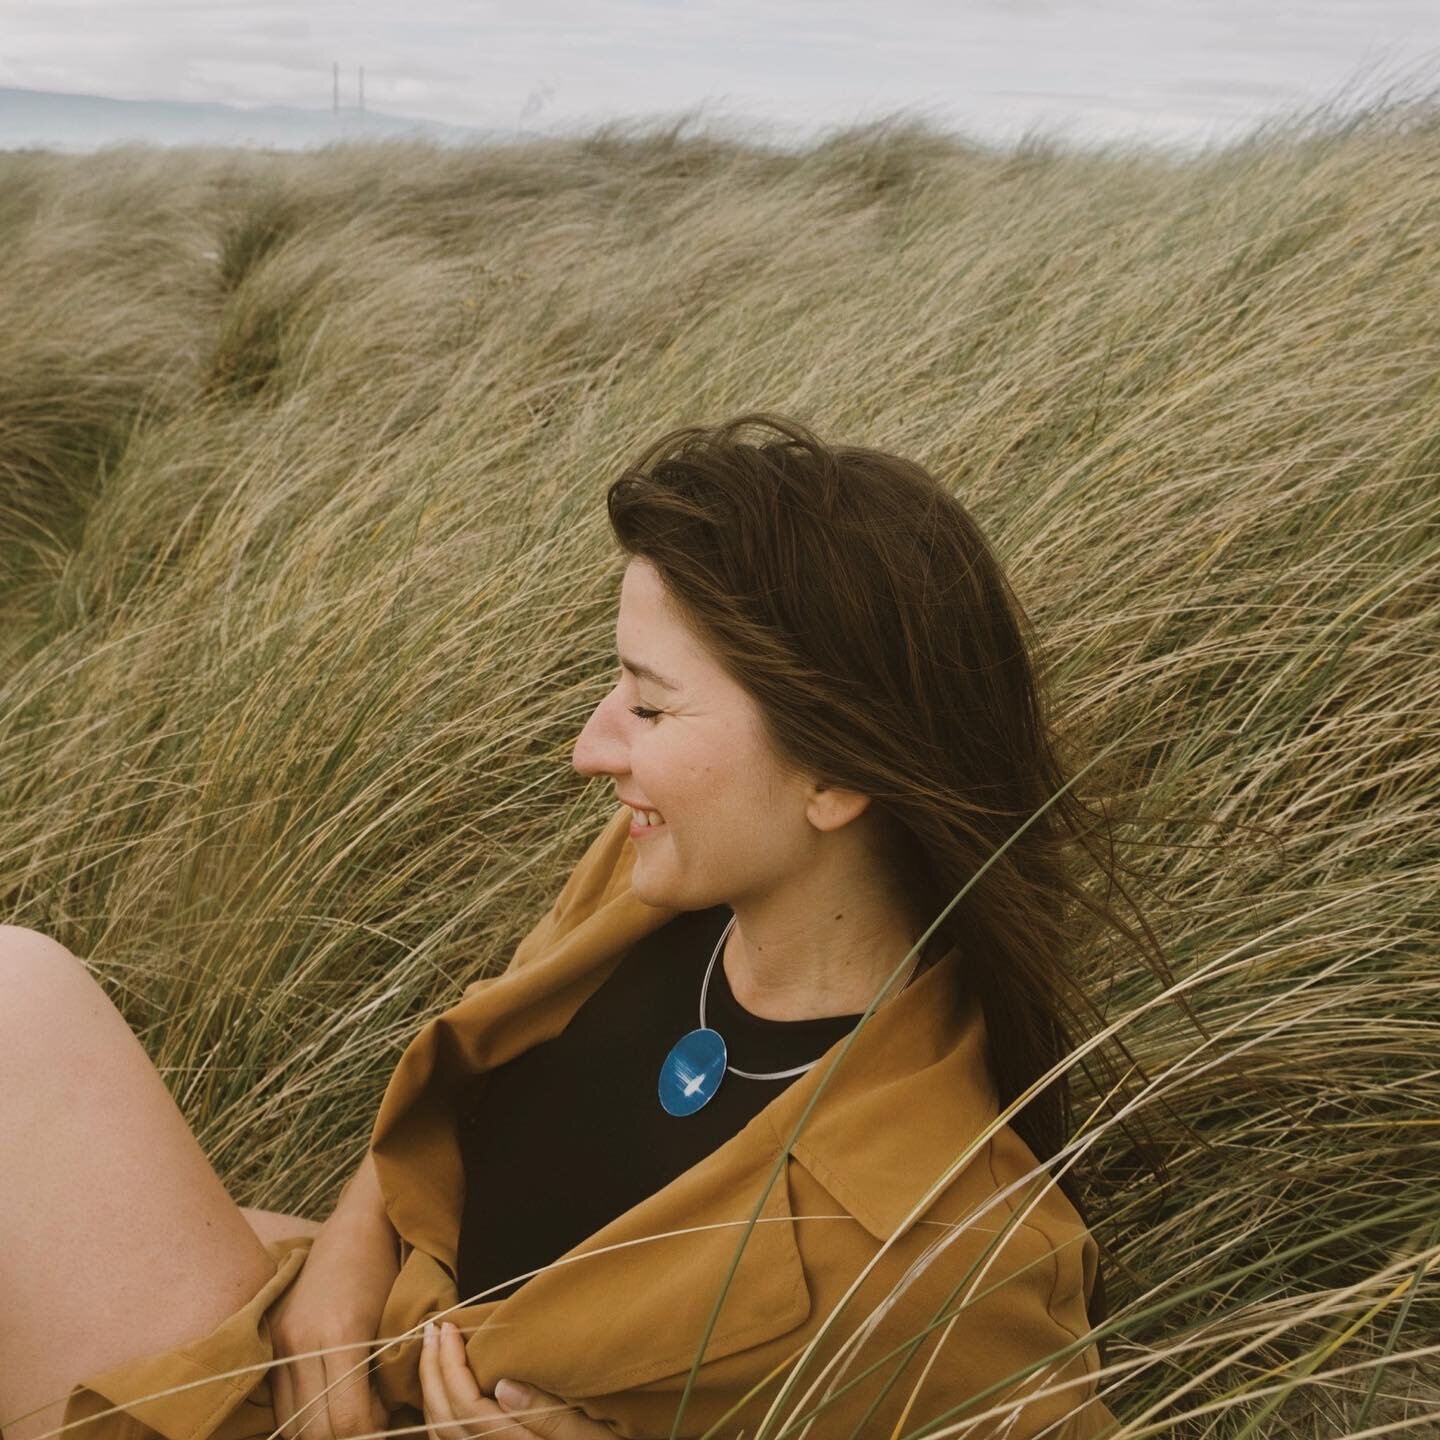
55	1019
108	1206
21	940
38	976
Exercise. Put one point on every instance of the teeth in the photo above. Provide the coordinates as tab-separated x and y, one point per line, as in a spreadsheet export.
646	817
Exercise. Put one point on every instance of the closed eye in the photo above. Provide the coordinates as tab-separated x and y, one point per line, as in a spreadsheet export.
643	713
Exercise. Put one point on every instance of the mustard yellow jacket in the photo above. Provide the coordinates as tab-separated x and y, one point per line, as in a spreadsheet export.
614	1326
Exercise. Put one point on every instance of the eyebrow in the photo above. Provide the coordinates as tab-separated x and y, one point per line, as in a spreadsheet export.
644	672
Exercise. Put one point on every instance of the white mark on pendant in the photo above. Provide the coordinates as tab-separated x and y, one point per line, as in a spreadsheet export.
692	1086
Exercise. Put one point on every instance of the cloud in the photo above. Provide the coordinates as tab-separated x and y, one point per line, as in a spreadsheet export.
1161	65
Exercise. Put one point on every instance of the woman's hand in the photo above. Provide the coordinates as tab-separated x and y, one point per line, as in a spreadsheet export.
457	1409
333	1307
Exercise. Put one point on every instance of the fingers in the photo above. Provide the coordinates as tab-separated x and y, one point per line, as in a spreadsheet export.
282	1397
461	1387
311	1417
455	1406
439	1418
457	1409
347	1392
548	1416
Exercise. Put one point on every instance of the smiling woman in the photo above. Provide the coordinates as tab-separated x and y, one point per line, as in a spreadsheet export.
825	725
723	816
737	1138
755	1001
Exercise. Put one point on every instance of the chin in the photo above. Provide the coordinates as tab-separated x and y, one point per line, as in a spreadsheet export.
658	894
644	890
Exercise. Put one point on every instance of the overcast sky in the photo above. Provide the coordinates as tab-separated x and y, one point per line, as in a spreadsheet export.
1182	70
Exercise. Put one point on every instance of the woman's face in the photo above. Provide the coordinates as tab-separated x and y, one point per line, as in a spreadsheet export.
733	823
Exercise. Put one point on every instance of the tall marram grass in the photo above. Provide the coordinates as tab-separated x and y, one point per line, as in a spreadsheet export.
306	589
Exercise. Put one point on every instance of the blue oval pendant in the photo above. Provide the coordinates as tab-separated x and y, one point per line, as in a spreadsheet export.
692	1071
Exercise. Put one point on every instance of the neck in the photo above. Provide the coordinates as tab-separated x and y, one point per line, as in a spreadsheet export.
785	962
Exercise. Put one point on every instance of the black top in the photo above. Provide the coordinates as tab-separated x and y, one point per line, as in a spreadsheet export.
570	1134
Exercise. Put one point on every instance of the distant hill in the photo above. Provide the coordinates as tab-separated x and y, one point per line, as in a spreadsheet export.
52	120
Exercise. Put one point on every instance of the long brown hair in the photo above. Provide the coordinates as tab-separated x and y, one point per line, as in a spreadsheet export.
857	601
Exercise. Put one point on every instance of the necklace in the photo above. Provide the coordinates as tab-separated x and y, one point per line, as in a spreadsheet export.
696	1064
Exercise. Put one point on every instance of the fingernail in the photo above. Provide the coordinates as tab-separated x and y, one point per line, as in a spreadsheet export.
448	1327
511	1395
429	1333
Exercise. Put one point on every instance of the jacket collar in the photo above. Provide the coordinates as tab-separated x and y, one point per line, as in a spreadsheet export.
896	1108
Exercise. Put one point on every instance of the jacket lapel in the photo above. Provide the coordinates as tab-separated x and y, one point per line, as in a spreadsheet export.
911	1092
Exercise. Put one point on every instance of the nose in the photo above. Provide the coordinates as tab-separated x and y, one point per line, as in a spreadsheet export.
601	748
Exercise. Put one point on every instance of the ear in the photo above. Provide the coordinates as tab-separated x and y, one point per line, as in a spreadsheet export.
829	808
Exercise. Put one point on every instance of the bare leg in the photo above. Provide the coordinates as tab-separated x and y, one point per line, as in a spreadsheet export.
117	1239
276	1225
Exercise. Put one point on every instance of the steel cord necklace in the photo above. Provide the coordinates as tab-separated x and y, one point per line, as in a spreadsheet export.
697	1062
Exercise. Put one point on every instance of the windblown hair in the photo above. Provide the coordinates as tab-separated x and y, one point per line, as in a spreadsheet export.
857	601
